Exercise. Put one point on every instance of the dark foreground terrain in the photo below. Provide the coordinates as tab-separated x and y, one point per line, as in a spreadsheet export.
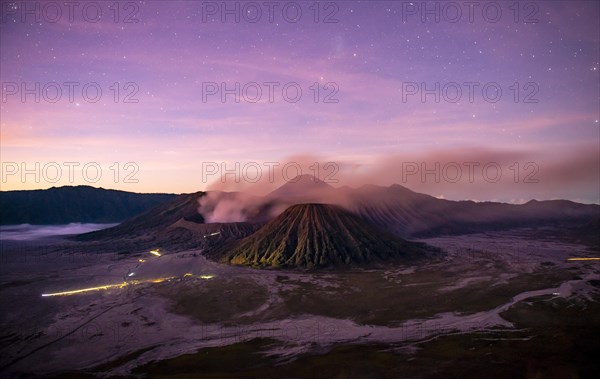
497	305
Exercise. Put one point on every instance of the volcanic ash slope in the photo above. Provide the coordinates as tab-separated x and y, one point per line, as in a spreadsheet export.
317	235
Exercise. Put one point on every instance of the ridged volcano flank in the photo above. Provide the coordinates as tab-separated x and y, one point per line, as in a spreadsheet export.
313	235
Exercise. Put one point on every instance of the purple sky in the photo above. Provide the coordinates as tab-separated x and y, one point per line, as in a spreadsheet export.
371	58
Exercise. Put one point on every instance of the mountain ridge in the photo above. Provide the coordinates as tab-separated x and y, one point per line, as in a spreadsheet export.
180	219
67	204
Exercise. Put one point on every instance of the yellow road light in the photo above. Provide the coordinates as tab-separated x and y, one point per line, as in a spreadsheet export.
583	259
107	286
199	276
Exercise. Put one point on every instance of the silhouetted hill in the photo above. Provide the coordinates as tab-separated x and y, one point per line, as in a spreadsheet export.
318	235
175	224
407	213
179	222
68	204
156	219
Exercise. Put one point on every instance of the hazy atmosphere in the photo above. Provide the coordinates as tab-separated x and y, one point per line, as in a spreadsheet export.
368	85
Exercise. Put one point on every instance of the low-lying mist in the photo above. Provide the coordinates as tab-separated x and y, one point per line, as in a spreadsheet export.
26	232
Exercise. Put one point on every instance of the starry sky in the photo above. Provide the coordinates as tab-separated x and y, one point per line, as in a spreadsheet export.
361	66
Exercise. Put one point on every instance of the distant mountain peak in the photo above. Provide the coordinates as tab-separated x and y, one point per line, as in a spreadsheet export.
302	185
307	179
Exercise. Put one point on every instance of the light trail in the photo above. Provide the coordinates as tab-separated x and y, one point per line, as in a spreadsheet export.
155	252
107	286
120	285
99	288
583	259
199	276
